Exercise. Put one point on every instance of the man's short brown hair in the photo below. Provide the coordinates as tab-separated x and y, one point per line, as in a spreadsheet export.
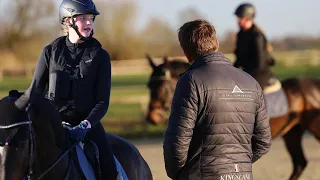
197	38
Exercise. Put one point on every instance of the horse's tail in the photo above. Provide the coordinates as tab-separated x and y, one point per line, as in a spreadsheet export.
310	91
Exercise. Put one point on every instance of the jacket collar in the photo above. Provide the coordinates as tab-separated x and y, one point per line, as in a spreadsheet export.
212	57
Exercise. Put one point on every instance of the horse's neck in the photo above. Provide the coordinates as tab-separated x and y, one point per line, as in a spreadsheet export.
50	140
48	149
46	154
174	81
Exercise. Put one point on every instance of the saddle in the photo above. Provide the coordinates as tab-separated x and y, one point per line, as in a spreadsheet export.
275	99
86	158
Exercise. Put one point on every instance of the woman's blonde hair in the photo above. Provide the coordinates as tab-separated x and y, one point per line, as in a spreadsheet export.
64	28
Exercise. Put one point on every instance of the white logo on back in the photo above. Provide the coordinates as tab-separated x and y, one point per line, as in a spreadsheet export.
236	89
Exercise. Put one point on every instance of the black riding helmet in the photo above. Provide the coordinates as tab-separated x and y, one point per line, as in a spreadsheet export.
245	10
71	8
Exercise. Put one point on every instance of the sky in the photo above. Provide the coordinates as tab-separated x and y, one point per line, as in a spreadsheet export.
276	17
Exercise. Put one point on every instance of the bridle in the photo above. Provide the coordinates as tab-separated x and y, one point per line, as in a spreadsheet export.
31	138
31	160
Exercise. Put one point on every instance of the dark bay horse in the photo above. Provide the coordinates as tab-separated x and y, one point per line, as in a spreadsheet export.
303	97
34	144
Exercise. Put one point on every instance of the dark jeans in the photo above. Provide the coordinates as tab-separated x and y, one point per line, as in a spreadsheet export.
98	136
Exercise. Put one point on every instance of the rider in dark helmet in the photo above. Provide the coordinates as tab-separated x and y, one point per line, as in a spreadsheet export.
74	72
71	8
252	48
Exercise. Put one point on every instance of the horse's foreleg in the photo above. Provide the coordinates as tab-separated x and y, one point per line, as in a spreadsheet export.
293	141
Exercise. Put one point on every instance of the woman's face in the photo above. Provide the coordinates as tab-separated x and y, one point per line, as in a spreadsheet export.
85	24
244	23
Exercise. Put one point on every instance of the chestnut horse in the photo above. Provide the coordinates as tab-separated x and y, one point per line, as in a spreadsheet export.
303	96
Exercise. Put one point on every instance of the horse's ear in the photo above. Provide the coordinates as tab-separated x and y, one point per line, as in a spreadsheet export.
15	93
25	98
150	61
166	61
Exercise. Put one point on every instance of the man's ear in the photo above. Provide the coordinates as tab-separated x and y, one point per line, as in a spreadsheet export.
218	45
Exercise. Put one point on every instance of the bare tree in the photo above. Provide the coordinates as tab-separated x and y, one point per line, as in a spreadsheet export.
160	37
116	28
27	27
28	24
227	42
23	19
189	14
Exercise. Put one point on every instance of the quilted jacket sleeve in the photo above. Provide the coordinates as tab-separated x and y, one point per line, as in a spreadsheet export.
261	139
182	120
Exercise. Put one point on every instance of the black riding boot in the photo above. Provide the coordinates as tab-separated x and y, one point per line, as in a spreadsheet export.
107	163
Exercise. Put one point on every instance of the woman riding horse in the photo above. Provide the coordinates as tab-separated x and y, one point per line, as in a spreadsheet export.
77	72
34	144
252	48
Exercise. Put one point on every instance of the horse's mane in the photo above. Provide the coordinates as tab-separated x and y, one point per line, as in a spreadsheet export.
45	107
178	67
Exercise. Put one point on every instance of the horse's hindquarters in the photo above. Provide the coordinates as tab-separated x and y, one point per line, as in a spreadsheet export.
130	158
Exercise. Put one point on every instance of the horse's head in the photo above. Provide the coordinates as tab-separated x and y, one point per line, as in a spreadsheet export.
162	84
26	128
15	139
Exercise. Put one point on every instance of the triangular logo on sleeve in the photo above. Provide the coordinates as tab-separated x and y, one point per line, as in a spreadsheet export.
236	89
